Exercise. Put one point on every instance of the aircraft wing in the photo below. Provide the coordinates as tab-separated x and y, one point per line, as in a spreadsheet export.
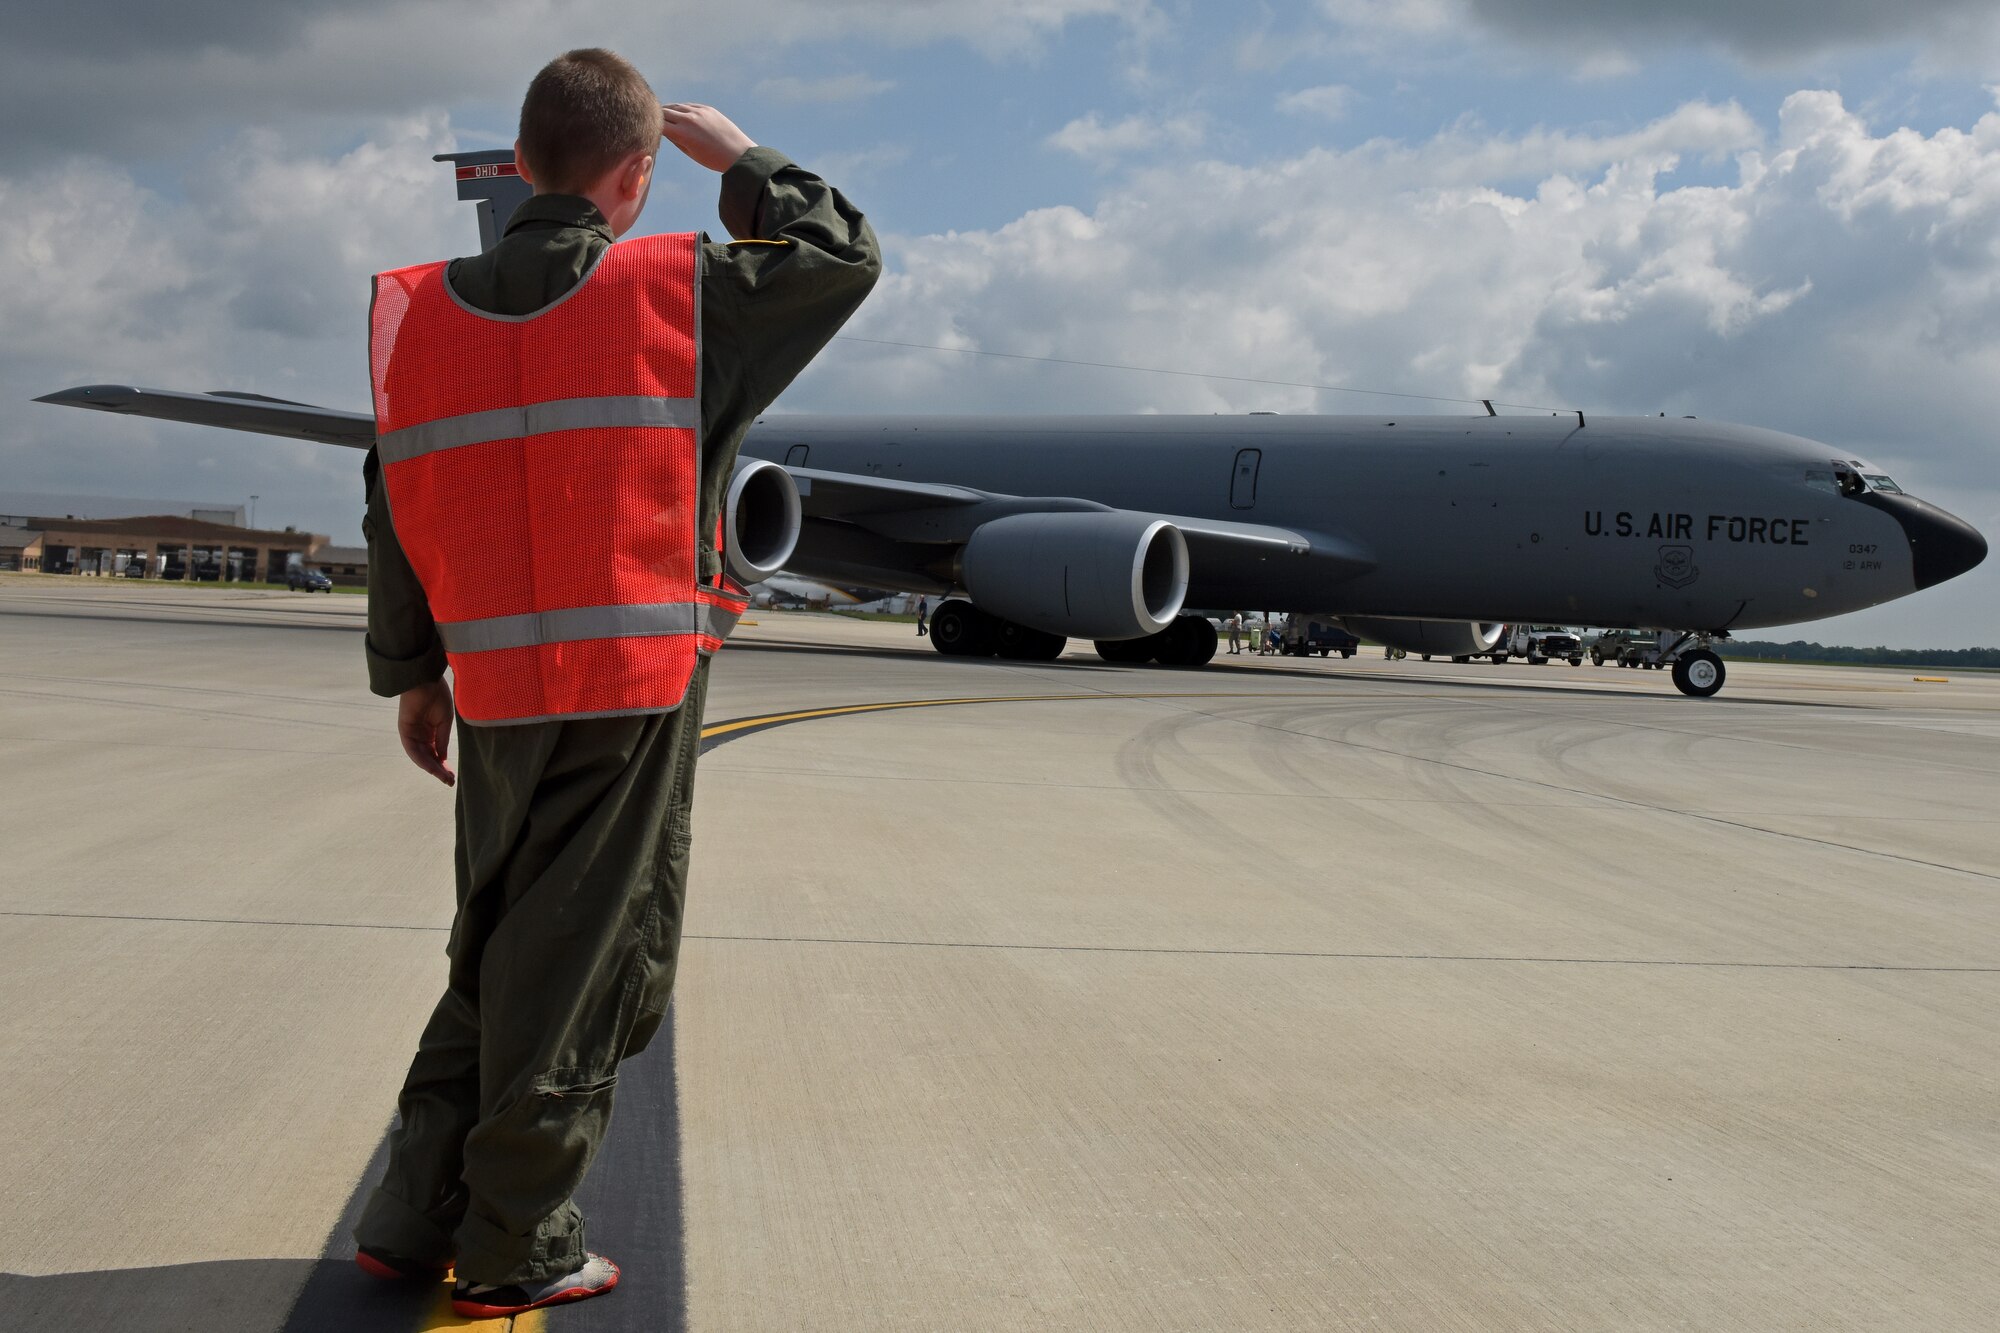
916	511
863	527
901	512
229	410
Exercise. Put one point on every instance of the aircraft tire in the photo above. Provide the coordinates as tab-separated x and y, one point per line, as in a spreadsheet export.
1127	652
1018	643
1699	673
1188	642
960	629
1459	660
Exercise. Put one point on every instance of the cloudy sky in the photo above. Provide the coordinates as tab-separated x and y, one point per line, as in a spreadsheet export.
1784	213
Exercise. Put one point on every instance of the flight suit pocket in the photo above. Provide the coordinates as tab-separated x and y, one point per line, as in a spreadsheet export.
572	1084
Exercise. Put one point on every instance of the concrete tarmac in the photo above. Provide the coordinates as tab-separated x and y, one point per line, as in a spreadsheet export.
1278	995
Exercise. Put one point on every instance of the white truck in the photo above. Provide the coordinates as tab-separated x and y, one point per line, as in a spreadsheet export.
1540	643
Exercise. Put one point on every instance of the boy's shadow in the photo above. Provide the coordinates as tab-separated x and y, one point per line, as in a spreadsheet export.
633	1198
245	1294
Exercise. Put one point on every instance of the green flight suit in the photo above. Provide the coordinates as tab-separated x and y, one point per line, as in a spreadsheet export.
573	835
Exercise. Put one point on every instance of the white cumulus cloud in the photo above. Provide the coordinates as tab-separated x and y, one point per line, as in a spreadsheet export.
1089	136
1328	100
257	280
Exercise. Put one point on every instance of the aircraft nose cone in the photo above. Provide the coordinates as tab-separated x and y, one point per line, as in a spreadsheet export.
1942	545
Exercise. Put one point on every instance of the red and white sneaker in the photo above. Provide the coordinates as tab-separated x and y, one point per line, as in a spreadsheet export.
481	1301
395	1268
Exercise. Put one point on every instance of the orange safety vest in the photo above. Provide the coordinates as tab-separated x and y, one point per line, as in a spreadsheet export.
543	473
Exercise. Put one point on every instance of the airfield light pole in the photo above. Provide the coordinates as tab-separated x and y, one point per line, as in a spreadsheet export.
253	511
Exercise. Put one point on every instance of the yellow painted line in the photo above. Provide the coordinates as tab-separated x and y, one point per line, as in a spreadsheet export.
845	710
438	1314
1932	680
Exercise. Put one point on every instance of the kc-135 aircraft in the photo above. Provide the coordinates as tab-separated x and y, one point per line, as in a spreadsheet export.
1425	533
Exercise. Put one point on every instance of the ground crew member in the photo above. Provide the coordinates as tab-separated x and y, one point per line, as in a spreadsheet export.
538	443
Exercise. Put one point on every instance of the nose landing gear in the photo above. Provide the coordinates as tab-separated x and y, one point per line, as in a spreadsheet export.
1698	672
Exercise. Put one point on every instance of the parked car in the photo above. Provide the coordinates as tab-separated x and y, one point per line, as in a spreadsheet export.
307	580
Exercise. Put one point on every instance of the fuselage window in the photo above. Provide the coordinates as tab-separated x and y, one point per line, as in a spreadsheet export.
1877	481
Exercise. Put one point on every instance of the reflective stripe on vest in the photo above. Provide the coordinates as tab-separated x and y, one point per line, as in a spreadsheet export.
543	476
587	622
513	423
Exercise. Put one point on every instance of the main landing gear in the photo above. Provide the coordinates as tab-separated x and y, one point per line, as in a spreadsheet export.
1188	642
960	629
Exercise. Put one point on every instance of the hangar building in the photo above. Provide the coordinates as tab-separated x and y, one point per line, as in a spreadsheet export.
169	546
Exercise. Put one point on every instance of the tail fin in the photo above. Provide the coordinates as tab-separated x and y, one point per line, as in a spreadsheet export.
491	178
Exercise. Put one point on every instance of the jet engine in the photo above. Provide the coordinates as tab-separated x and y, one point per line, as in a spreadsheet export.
1439	638
1092	575
760	520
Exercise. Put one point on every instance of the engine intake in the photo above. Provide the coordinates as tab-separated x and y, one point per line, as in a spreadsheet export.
1114	575
1439	638
760	520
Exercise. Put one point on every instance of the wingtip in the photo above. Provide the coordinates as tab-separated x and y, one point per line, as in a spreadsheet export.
105	397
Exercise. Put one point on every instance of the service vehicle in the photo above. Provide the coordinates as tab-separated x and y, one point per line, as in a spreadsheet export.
1539	643
1618	646
1304	636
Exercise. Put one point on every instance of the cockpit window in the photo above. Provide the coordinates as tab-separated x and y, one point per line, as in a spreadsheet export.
1848	479
1820	479
1876	481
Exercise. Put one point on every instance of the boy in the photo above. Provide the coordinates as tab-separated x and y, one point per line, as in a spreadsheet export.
556	423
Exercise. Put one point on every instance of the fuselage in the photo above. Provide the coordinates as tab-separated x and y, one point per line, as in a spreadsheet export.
1644	521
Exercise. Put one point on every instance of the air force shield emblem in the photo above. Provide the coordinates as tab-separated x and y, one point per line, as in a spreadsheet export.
1676	568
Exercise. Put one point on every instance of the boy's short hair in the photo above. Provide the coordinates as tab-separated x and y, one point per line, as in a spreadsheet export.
585	110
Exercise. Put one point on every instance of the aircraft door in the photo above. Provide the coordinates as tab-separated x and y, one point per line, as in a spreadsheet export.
796	455
1243	480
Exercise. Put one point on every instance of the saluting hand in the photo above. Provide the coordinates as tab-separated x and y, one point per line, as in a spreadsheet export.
423	721
704	134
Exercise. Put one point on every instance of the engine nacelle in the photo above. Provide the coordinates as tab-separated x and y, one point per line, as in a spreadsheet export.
1114	575
1439	638
760	520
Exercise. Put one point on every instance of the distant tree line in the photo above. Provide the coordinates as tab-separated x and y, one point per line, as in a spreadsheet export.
1799	650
